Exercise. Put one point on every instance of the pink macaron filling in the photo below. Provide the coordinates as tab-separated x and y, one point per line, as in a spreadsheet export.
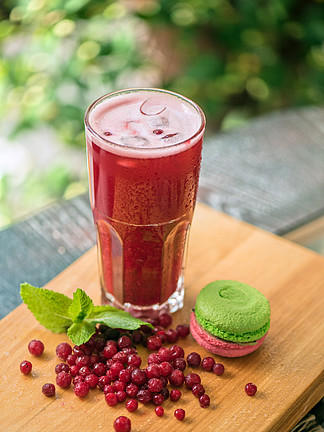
219	346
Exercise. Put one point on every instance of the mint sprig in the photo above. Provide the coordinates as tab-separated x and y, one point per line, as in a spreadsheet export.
77	317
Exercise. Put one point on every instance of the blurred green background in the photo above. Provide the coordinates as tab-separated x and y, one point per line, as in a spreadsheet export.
237	59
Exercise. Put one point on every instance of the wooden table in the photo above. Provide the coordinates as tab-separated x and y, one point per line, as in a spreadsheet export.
288	368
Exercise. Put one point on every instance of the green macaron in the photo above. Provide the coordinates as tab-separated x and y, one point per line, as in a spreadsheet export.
233	311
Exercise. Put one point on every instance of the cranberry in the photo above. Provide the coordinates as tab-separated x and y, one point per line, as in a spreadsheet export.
198	390
77	379
81	389
132	390
158	399
25	367
218	369
146	329
144	396
109	351
162	335
137	336
153	371
109	388
119	385
131	405
159	411
129	351
165	354
122	424
182	330
176	378
164	380
63	379
85	370
121	357
134	359
111	399
154	343
78	350
165	320
165	393
71	359
250	389
177	352
92	380
204	401
103	381
179	414
74	370
193	359
48	389
208	363
115	368
155	385
111	375
99	369
62	367
100	343
153	358
94	359
121	395
124	342
130	368
82	360
165	369
63	350
138	377
179	363
36	347
172	335
192	379
124	375
175	395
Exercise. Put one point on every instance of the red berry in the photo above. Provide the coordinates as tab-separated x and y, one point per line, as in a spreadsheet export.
74	370
134	359
25	367
177	352
132	390
62	367
111	399
165	393
193	359
198	390
192	379
175	395
81	389
85	370
36	347
119	385
120	357
63	350
138	377
82	360
154	343
182	330
103	381
176	378
165	369
124	375
137	336
153	371
158	399
121	395
109	351
179	363
208	363
63	379
144	396
71	359
99	369
218	369
48	389
165	320
115	368
179	414
155	385
162	335
109	388
122	424
153	358
77	379
131	405
124	342
165	354
172	335
204	401
250	389
92	380
159	411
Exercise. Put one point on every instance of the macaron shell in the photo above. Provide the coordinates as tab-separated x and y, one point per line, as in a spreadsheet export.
233	311
220	347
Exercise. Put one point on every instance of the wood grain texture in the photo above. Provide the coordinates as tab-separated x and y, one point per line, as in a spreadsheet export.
288	368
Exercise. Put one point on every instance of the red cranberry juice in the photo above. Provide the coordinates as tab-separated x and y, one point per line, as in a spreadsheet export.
143	201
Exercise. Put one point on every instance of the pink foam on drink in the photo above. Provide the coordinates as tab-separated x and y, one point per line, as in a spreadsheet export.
144	124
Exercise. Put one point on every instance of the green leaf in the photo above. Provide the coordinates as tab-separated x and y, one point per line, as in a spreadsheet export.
80	307
80	333
51	309
116	319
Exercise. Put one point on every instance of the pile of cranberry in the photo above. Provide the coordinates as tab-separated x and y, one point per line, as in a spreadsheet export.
109	360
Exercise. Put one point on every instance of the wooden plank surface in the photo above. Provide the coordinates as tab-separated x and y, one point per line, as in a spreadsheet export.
288	368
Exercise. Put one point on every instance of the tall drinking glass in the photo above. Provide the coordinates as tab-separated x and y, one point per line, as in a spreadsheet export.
144	152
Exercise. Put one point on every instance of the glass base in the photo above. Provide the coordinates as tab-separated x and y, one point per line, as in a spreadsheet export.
174	303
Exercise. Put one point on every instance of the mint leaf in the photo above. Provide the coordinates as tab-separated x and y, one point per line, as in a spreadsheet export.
80	307
116	319
51	309
80	333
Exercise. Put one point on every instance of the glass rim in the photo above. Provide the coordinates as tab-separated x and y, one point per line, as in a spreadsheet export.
147	89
